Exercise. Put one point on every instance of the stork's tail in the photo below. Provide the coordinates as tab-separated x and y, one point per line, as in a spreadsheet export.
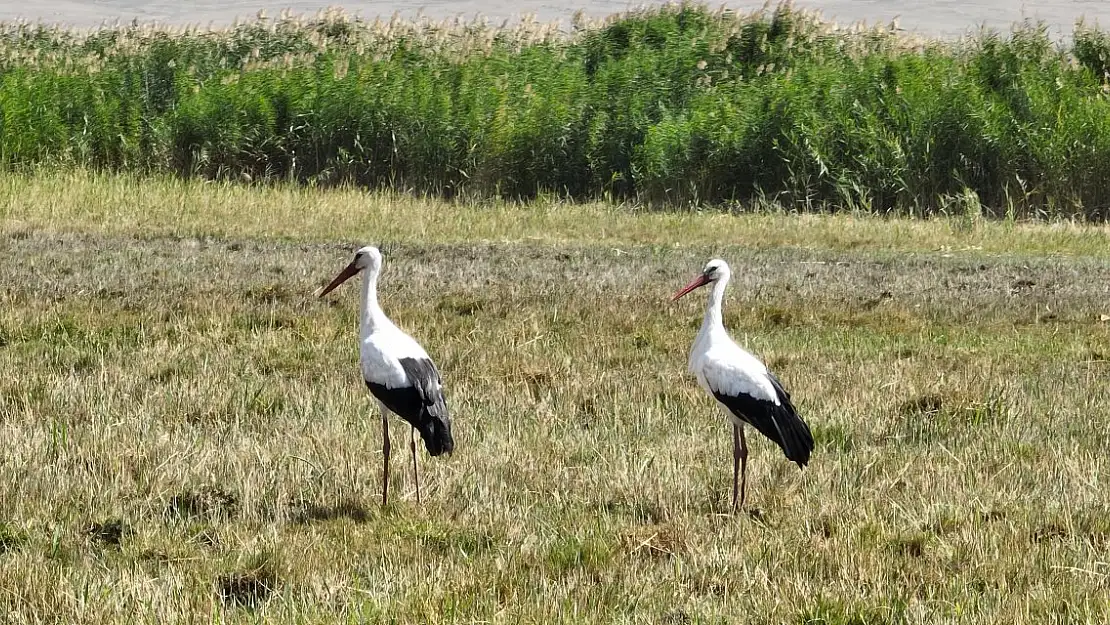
795	438
796	441
436	432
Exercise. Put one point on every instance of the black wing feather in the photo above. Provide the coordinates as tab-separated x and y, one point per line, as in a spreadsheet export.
780	423
421	403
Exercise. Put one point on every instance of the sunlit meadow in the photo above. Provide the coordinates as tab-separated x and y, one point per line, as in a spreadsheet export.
188	439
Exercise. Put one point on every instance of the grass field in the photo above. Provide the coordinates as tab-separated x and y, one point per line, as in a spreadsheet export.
189	440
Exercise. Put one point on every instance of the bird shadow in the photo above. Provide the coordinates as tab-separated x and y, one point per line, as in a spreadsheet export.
721	506
309	512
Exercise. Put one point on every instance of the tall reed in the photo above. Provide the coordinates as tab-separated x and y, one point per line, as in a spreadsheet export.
677	105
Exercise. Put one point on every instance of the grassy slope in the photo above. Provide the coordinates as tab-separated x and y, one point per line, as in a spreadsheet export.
190	386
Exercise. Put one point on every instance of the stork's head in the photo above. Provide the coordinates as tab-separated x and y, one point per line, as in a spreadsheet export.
366	258
713	271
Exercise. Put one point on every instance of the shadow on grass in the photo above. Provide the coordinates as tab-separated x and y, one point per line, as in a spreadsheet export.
309	512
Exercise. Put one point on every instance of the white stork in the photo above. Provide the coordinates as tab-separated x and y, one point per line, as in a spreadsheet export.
742	385
397	370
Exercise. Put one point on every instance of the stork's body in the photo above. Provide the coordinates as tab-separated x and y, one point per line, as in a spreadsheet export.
397	370
743	387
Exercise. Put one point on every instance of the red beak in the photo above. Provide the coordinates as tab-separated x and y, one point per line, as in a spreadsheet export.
701	280
343	276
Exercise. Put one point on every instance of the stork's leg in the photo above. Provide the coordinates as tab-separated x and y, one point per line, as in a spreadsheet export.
735	463
743	454
415	471
385	454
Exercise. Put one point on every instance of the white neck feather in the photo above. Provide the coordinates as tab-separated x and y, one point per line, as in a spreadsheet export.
713	319
371	316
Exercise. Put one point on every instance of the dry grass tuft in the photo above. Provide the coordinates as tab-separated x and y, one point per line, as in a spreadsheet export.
11	538
110	533
207	502
251	586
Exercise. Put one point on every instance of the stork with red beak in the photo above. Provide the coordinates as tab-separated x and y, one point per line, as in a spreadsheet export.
743	387
398	372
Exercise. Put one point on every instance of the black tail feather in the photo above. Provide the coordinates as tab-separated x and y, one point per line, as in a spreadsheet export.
779	422
436	433
430	418
421	403
796	440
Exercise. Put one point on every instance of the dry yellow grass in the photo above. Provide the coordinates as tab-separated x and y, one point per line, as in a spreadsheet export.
188	439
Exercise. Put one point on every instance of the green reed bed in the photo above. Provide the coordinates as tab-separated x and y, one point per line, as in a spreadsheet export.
672	106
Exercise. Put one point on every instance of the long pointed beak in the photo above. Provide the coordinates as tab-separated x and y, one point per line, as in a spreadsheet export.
701	280
343	276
